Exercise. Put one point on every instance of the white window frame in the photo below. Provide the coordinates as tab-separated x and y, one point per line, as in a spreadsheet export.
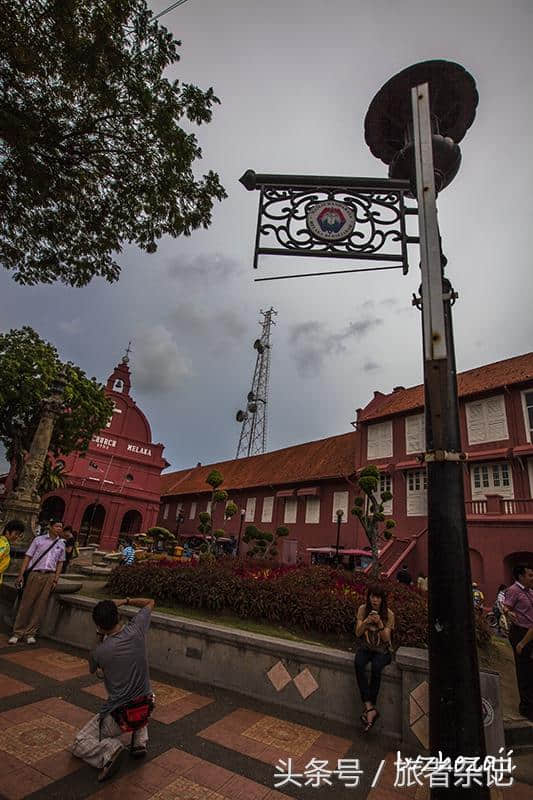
192	510
379	443
491	477
415	428
268	509
478	424
385	485
412	478
209	506
529	430
165	510
250	509
290	511
312	510
340	502
179	509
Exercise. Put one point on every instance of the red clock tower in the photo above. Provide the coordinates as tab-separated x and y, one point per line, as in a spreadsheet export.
114	487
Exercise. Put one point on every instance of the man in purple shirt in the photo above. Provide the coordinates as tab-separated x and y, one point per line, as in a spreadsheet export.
518	606
44	558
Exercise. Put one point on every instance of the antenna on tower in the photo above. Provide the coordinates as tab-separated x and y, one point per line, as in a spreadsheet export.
252	440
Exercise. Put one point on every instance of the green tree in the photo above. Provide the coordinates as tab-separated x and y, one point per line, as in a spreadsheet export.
96	147
28	366
368	508
265	545
52	477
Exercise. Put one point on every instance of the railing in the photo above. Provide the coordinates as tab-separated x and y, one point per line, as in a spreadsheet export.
476	507
499	505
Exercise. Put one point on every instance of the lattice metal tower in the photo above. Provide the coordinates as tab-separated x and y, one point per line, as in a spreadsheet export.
252	440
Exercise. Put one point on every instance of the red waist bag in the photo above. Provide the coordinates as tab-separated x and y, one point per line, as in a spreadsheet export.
135	714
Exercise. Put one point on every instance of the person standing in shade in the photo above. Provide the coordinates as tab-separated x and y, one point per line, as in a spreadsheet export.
404	576
518	606
43	560
122	657
70	541
12	531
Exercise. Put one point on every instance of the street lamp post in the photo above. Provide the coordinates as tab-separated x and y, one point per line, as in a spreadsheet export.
243	512
430	159
340	514
179	519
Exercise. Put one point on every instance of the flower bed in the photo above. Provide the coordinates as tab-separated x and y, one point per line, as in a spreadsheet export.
313	598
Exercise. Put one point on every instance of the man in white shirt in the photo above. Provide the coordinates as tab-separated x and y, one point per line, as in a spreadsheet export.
44	558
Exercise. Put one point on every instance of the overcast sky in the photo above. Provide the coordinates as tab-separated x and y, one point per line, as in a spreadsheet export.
295	80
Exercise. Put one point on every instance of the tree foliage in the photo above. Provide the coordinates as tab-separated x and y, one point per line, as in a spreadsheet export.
368	508
264	545
28	366
96	146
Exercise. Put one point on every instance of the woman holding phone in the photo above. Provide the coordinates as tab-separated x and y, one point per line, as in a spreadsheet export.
373	630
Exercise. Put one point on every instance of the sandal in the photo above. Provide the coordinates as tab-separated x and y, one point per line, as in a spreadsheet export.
371	722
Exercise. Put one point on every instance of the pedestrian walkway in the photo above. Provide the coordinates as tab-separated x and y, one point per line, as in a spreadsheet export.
204	743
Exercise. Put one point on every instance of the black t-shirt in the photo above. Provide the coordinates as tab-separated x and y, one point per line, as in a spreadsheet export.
404	577
69	543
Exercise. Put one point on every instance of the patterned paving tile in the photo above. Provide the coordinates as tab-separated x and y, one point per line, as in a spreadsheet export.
51	663
177	775
268	738
9	686
33	745
37	738
171	702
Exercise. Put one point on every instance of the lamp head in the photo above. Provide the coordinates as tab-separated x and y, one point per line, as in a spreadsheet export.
389	126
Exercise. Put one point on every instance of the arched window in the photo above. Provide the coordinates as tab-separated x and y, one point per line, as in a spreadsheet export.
118	385
131	522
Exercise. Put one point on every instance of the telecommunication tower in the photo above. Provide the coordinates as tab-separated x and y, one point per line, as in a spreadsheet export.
252	440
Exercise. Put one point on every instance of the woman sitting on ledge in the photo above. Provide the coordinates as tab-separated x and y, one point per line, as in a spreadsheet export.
375	623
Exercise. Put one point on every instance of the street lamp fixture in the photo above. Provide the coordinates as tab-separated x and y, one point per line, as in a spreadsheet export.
243	513
389	121
340	514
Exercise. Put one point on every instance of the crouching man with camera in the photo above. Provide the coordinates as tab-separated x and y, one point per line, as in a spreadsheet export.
122	658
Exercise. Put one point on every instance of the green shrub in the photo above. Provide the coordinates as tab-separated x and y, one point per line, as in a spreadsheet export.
214	479
158	533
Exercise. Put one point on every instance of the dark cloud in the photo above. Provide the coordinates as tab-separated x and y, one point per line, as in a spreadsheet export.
312	343
160	365
205	270
370	366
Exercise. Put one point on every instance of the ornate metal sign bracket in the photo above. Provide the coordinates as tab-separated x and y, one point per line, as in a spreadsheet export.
332	217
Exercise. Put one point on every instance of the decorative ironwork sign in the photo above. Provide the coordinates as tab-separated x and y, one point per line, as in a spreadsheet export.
332	217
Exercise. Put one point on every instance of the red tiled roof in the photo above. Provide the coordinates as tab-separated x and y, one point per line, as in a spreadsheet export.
518	369
326	458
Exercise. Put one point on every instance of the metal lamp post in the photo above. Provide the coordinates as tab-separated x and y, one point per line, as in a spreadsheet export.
414	124
243	512
340	514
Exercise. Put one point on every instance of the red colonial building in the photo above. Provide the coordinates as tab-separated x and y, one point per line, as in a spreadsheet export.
304	486
115	486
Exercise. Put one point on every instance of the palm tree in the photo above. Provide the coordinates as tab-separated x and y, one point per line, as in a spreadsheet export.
52	477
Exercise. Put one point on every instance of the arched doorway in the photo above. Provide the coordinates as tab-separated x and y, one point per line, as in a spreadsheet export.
131	522
92	523
53	507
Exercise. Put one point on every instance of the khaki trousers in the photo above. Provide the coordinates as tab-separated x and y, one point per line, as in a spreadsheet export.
97	752
33	604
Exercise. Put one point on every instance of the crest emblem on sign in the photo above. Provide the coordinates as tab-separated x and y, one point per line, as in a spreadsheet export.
330	220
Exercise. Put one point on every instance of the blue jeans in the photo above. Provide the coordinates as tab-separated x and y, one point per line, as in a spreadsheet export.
378	660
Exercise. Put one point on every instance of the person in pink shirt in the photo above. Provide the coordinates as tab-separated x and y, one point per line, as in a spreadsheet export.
38	576
518	606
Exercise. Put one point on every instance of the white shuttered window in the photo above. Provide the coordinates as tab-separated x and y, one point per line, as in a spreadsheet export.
268	506
491	479
250	510
165	511
312	510
291	509
417	493
385	485
340	501
415	434
192	512
379	442
486	420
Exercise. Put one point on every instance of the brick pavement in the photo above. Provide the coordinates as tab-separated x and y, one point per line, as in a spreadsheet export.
204	743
